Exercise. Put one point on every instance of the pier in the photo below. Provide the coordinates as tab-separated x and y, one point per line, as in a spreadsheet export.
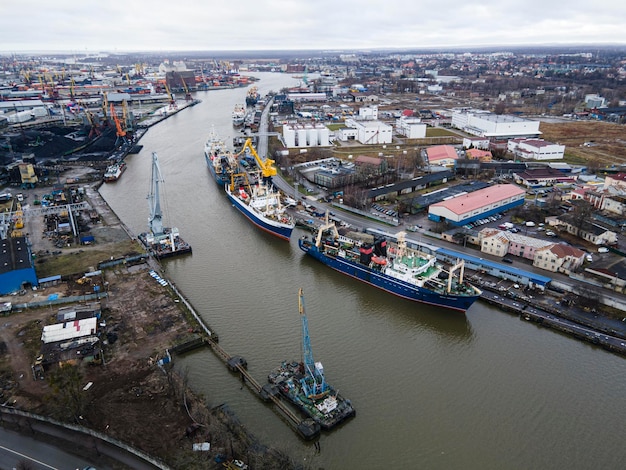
307	428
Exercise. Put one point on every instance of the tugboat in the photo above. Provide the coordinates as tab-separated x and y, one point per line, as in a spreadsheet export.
304	384
114	171
161	242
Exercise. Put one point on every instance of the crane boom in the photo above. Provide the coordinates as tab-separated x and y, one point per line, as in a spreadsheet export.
266	166
313	383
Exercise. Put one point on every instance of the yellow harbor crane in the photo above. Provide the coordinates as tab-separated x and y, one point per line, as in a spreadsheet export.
266	166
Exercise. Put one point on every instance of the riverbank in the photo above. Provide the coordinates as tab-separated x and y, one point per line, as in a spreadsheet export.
136	395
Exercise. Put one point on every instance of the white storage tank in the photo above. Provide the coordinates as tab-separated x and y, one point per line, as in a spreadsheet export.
289	134
323	135
301	139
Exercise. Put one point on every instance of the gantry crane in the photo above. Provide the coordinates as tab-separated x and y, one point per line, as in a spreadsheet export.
266	166
313	383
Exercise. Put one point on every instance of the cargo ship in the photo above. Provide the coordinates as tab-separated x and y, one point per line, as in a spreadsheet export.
304	384
239	115
252	97
260	203
161	242
393	267
221	162
114	171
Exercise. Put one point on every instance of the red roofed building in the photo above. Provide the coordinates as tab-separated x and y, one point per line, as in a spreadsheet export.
442	155
367	166
478	154
559	258
469	207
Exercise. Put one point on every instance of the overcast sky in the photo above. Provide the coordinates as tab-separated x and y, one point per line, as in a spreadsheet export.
205	25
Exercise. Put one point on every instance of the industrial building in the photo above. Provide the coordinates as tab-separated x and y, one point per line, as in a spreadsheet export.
16	266
411	128
366	132
469	207
536	149
495	126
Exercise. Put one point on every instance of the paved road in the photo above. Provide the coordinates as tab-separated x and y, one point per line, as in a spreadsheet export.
18	449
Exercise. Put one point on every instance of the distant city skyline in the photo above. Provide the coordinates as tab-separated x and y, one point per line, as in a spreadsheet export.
197	25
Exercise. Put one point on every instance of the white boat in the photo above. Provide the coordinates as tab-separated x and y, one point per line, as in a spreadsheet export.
261	204
239	115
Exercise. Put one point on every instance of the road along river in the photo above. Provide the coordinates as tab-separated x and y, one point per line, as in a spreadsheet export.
432	389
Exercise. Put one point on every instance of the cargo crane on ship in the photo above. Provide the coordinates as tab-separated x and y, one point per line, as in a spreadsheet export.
267	168
313	383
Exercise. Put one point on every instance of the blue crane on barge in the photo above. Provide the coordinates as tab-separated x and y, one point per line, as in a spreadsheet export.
313	383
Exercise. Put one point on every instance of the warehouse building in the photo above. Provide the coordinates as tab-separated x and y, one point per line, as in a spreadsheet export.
495	126
16	266
469	207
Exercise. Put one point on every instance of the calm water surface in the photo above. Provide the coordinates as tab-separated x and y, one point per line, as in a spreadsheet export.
432	389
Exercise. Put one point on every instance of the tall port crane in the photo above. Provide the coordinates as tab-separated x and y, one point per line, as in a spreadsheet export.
266	166
313	383
120	131
172	100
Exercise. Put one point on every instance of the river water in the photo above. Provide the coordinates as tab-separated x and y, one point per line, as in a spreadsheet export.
432	389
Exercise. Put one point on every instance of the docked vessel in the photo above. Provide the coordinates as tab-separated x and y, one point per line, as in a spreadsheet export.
261	204
393	267
252	97
304	384
114	171
161	242
221	162
239	115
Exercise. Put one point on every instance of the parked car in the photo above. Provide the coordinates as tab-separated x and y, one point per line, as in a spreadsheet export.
603	249
507	260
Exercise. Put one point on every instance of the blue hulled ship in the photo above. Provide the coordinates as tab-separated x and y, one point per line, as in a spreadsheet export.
393	267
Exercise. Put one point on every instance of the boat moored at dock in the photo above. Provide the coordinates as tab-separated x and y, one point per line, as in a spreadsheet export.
221	162
239	115
161	242
114	171
261	204
393	267
304	384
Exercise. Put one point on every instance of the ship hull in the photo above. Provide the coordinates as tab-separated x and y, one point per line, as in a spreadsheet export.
387	283
274	227
162	251
220	179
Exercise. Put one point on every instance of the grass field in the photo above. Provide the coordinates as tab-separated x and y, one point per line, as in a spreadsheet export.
587	141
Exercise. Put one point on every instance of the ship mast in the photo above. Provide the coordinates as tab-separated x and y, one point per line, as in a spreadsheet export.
155	220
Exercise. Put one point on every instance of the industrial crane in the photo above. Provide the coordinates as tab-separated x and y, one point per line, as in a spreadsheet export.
121	133
172	100
313	383
266	166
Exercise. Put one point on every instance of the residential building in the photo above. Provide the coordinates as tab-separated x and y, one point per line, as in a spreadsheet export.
593	232
442	155
478	154
368	166
559	257
502	243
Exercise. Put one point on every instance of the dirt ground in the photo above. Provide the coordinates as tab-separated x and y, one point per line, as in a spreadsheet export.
131	398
